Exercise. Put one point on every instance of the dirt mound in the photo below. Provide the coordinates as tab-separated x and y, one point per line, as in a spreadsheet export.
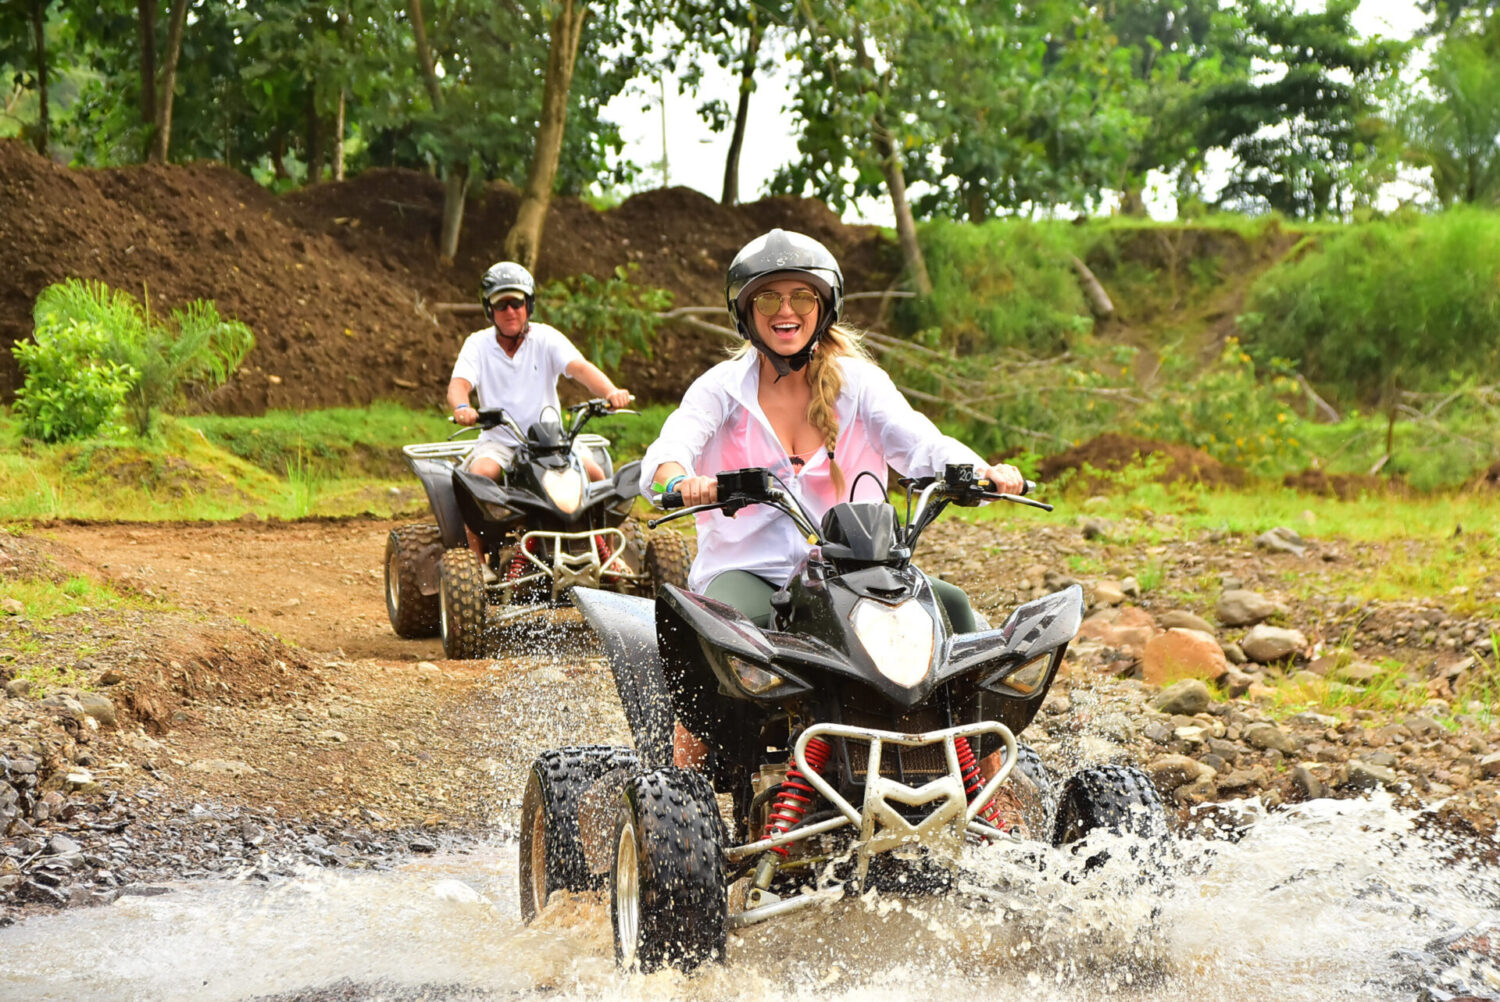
1114	453
339	280
1344	486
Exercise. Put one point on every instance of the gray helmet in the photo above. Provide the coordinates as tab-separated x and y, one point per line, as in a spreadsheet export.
783	252
506	276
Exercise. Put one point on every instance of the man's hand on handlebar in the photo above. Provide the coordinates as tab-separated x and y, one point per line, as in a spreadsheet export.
466	416
619	399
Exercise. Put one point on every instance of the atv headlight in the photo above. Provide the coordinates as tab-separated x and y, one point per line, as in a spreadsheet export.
564	487
1024	680
495	512
753	678
898	638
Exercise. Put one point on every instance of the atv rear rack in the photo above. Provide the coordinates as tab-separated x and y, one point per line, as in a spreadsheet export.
881	826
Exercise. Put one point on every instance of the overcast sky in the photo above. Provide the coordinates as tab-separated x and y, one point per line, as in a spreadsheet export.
695	155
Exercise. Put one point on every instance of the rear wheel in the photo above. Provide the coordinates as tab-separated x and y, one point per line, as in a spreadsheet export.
667	559
668	900
462	605
412	553
552	840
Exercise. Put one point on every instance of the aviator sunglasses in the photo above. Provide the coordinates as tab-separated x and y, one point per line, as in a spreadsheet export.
768	303
501	305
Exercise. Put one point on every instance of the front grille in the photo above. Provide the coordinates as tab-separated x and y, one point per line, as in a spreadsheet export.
898	761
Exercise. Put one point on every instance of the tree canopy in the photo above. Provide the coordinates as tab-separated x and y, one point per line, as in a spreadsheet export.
963	110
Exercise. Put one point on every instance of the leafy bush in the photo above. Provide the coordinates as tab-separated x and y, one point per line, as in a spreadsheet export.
1007	283
196	350
606	318
1230	414
70	389
1401	304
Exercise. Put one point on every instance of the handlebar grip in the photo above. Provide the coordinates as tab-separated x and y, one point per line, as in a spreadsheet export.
671	499
1028	487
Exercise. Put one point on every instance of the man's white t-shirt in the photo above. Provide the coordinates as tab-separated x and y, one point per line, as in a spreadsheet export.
524	385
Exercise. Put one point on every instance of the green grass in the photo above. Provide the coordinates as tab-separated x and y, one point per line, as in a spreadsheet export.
338	462
45	600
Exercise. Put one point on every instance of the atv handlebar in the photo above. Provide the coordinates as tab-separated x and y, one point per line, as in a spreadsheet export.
739	489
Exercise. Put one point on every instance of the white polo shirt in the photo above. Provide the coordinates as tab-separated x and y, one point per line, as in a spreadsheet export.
720	426
524	385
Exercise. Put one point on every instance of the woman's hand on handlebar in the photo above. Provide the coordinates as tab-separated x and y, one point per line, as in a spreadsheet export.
1004	479
697	490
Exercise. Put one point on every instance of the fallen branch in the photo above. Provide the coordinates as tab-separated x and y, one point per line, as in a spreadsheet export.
1099	302
1319	404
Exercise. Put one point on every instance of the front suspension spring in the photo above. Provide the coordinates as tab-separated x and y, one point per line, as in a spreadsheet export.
974	782
796	794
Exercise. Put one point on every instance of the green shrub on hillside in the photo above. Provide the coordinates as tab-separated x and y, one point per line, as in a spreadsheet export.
195	349
1400	304
1231	414
71	390
1004	284
608	317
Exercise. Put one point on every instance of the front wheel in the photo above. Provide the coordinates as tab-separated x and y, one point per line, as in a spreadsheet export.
668	898
667	559
462	607
1119	799
552	840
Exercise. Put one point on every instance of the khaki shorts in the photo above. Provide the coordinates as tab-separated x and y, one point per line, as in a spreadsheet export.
504	454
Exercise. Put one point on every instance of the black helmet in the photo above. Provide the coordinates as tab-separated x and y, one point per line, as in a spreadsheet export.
506	276
781	252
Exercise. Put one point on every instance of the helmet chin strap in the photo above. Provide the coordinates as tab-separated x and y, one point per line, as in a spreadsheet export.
784	364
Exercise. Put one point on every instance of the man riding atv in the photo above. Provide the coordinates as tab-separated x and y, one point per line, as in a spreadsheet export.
514	365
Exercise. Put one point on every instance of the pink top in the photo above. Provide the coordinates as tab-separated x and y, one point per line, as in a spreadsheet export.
720	426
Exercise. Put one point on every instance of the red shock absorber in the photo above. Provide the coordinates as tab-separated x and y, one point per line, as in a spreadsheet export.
968	765
796	793
518	562
604	554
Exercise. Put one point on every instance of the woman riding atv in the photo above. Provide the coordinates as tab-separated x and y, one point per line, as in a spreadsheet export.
806	403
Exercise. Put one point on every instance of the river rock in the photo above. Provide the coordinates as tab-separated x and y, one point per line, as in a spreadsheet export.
1178	653
1357	673
1239	607
1171	771
12	607
1367	776
1182	619
1306	783
1281	540
232	767
1264	644
17	687
1187	697
1489	766
1122	628
1108	593
101	708
1268	736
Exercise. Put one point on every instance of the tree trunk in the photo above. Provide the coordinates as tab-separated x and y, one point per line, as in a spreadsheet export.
455	172
524	242
146	14
455	188
314	138
906	225
162	141
742	112
338	139
39	29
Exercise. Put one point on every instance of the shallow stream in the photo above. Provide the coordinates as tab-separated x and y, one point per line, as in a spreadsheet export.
1332	900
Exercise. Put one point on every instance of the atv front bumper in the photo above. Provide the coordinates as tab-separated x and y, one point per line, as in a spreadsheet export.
587	568
882	826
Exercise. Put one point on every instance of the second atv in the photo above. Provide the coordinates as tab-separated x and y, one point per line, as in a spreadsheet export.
546	530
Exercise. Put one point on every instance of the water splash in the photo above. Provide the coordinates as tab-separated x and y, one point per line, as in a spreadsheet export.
1331	900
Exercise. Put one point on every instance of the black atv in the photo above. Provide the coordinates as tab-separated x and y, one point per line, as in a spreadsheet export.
546	530
848	735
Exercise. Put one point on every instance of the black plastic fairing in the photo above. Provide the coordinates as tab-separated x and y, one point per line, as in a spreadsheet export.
1039	625
437	481
859	532
626	625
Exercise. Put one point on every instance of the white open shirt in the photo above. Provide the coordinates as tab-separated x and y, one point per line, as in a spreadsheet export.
524	385
720	426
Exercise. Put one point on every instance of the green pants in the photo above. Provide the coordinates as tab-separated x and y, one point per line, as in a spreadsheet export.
751	595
